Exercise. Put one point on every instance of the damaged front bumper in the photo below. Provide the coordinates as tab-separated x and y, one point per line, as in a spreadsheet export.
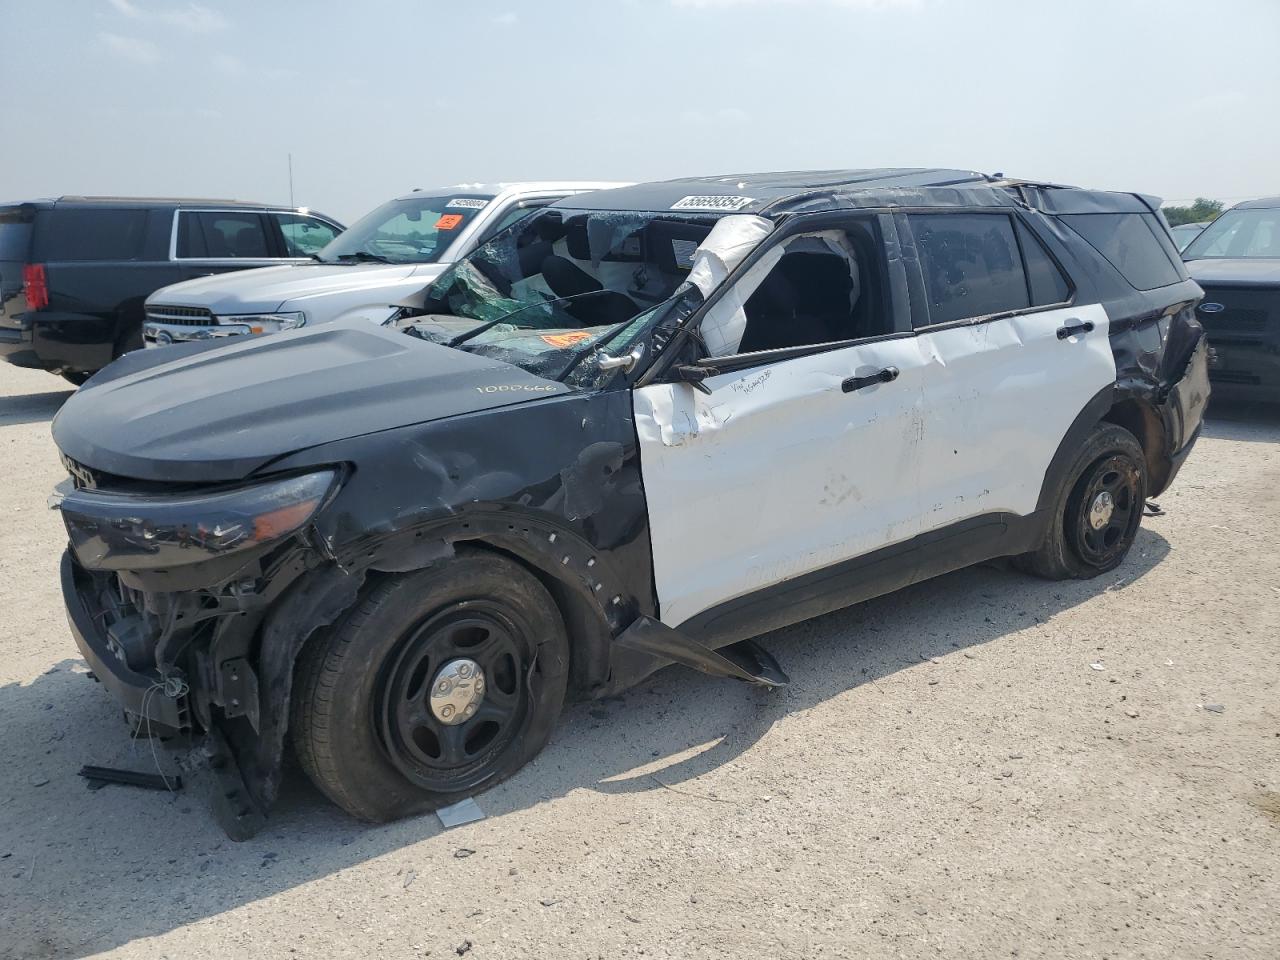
180	603
150	705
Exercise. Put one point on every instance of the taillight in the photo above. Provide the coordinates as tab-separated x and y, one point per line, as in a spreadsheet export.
35	286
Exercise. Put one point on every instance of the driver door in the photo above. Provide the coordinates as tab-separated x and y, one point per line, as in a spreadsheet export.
791	464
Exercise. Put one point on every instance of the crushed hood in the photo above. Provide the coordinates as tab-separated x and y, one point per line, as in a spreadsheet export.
268	289
216	411
1244	272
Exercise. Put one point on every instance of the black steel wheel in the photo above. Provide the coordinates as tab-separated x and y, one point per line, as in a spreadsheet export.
1104	515
436	685
1097	510
454	697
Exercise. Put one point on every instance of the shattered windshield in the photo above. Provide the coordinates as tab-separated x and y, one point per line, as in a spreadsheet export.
413	229
560	285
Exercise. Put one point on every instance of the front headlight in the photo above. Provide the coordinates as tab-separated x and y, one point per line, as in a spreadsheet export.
267	322
121	531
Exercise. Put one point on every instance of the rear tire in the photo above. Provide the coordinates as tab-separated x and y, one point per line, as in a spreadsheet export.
1098	510
366	720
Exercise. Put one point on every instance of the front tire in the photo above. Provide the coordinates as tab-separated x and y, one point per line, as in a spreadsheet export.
1097	513
438	684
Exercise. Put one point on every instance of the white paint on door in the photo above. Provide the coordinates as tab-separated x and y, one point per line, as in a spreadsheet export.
999	397
778	472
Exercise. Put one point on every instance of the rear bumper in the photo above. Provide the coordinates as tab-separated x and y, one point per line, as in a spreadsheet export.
1184	409
16	347
141	695
81	343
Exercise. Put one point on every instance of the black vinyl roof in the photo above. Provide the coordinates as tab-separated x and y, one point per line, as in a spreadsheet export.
808	191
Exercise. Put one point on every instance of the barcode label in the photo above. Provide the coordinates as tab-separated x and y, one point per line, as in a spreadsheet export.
712	203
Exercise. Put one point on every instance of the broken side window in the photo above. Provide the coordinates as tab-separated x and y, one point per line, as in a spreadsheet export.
828	286
971	265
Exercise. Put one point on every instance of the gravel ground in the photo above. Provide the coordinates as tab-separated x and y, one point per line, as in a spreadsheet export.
982	766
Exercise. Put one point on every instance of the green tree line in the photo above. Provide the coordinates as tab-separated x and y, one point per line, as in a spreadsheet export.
1203	209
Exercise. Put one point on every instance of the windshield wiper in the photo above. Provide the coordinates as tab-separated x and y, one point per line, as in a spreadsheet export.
363	256
658	309
490	324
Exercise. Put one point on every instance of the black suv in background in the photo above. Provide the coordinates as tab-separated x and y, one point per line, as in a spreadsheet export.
74	272
1236	260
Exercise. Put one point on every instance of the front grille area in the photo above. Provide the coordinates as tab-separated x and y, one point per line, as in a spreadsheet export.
1234	376
182	316
1244	311
86	478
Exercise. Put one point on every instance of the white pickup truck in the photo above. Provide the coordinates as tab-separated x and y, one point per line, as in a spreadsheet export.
385	256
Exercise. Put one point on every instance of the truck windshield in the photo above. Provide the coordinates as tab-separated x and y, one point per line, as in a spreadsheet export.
559	282
414	229
1238	233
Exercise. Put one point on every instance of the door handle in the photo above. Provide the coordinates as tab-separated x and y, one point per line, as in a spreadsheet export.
1073	327
887	375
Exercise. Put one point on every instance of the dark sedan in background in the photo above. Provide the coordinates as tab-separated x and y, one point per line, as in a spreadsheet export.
1237	262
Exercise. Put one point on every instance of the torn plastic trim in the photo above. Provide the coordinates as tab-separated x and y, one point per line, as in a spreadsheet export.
534	538
315	600
745	660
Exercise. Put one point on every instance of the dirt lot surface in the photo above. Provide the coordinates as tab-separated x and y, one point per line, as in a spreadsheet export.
983	766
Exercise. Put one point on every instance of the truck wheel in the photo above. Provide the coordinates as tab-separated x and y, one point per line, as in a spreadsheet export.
438	684
1098	511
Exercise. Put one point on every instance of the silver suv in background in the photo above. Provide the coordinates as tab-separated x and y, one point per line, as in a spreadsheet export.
389	254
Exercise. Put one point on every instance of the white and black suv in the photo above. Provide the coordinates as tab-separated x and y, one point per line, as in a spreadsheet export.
638	427
387	254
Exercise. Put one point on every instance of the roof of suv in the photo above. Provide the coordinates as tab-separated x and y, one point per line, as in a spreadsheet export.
78	201
816	190
1262	203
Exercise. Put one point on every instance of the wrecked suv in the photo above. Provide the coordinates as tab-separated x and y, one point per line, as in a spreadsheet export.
639	427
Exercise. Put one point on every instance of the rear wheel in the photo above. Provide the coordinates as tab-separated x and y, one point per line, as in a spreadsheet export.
1098	512
439	684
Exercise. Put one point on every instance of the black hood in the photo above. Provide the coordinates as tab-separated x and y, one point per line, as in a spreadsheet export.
1236	272
219	412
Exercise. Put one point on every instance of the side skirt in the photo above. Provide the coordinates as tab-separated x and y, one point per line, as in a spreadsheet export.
862	578
743	661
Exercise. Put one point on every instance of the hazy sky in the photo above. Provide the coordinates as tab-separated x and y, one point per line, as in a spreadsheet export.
374	97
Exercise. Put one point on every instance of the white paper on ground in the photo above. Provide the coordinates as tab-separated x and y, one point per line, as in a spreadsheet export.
464	811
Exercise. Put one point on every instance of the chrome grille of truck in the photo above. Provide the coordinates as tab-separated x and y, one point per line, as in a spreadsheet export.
183	316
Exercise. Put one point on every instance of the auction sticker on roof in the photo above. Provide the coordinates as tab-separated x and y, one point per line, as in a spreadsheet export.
467	203
712	203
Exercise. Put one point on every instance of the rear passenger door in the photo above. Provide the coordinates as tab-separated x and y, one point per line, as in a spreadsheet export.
216	241
1011	360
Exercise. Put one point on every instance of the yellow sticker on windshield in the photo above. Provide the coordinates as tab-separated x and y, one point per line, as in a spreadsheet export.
565	339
